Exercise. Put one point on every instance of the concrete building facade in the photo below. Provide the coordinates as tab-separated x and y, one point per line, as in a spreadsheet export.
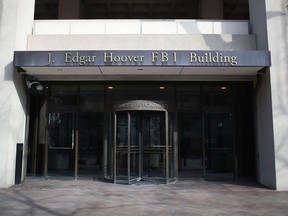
78	90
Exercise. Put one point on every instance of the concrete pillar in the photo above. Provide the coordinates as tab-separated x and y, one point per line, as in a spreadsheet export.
277	29
258	23
264	131
16	24
263	101
69	9
211	9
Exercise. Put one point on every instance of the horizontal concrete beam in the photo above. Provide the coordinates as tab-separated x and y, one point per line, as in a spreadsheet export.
66	27
142	42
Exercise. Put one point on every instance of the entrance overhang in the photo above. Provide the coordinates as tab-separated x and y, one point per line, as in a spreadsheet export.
108	65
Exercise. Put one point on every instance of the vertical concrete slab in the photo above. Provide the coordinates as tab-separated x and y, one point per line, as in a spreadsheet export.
277	28
263	102
16	21
264	131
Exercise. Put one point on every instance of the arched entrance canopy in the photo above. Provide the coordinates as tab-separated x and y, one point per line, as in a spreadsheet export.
138	105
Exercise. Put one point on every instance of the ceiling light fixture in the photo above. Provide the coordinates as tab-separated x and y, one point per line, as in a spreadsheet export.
223	87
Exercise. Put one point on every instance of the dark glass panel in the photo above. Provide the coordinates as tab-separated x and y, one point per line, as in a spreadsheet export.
61	154
154	92
154	145
122	146
219	146
91	130
90	144
60	130
189	104
62	96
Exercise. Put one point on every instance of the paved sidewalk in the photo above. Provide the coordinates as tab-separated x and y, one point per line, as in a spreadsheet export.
195	197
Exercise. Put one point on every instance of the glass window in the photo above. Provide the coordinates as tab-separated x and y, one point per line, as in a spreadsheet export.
217	96
129	9
92	98
63	96
189	104
155	92
60	130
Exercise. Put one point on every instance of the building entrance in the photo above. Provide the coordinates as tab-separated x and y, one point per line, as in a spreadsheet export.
127	133
141	142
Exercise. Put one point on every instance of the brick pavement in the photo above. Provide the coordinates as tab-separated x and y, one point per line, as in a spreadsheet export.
37	196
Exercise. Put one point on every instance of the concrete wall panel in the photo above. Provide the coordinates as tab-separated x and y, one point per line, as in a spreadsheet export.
141	42
277	28
16	24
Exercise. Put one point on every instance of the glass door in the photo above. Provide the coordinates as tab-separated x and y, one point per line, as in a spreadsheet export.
122	147
74	144
141	147
61	144
154	147
219	148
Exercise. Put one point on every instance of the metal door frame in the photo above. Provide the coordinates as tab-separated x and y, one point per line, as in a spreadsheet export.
74	144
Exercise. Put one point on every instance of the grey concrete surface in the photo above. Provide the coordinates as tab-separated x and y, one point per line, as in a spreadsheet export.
37	196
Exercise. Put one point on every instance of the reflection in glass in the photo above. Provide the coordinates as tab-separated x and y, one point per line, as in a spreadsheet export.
153	146
60	130
219	146
61	144
121	146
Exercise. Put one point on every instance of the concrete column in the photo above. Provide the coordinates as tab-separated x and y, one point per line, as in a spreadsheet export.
277	29
15	25
264	131
258	23
263	101
69	9
211	9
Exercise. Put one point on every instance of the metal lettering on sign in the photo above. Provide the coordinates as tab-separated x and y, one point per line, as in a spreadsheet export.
141	58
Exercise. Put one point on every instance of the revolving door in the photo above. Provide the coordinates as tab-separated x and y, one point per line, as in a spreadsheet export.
142	152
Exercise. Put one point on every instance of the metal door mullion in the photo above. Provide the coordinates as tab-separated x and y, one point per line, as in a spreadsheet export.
167	145
204	143
128	143
75	142
139	131
114	144
46	147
